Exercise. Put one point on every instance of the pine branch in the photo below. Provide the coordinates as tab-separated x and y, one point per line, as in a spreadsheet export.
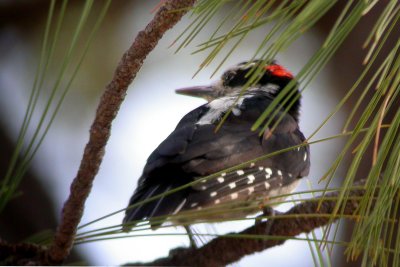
225	250
21	254
166	17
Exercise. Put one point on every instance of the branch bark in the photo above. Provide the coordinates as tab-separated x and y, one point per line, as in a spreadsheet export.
226	250
21	254
166	17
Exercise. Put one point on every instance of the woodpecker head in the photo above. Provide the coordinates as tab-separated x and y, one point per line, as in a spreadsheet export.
273	79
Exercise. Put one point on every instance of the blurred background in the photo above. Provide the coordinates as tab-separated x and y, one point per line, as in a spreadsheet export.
149	113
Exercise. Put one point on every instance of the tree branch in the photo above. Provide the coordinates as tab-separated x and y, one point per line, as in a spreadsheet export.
166	17
20	254
223	250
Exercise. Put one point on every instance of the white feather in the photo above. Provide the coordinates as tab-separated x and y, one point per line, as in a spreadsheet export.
221	105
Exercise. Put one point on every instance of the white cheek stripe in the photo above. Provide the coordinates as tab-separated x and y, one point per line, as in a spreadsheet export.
220	106
217	108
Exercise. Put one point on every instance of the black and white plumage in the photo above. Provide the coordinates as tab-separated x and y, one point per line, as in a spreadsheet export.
194	150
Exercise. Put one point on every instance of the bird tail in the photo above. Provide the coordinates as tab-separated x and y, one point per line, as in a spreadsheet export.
155	209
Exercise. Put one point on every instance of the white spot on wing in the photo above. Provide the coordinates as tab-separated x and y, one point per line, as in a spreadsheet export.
194	204
305	156
223	174
252	165
203	187
220	180
260	168
240	172
251	190
213	194
232	185
267	185
234	195
251	178
268	172
217	201
279	172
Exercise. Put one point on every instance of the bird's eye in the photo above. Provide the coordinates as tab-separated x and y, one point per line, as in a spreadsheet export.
228	76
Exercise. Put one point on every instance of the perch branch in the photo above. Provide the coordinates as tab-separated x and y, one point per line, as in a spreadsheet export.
114	94
222	251
20	254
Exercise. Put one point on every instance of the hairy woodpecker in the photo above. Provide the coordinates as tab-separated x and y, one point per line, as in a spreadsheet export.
195	149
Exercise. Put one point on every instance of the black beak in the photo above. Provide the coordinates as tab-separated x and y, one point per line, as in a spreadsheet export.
206	92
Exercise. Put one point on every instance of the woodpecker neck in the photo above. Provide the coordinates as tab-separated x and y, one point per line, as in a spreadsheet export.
271	91
236	102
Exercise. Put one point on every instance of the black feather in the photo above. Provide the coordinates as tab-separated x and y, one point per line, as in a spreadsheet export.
194	149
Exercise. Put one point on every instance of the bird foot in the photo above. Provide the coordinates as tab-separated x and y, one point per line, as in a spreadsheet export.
190	235
267	212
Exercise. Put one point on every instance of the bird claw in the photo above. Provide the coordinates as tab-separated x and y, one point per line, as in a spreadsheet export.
190	235
267	211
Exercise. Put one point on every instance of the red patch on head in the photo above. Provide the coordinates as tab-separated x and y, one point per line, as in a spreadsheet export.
279	71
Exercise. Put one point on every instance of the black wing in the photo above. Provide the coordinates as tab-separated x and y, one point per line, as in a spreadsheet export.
192	151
